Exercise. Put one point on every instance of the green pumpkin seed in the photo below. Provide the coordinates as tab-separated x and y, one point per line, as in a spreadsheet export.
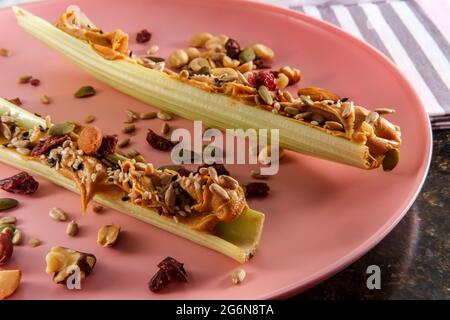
307	100
264	93
84	92
7	203
247	55
203	70
61	129
115	158
391	158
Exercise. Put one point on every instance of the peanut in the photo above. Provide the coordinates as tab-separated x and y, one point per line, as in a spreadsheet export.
293	74
178	58
263	51
200	39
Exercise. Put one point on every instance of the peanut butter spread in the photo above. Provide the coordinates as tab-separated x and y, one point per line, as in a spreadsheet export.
214	69
200	200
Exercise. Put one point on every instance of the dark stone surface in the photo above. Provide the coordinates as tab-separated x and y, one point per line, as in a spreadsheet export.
414	257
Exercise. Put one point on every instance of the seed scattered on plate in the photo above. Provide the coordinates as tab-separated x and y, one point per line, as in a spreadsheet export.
45	99
165	129
24	79
17	237
123	143
129	129
97	208
84	92
57	214
72	228
4	52
238	275
89	118
133	153
34	242
164	116
148	115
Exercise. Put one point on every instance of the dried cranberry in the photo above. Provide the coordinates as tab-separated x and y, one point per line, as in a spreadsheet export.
233	48
45	146
260	64
158	142
256	189
220	168
143	36
158	281
6	248
263	78
169	270
35	82
184	172
108	145
16	101
21	183
173	269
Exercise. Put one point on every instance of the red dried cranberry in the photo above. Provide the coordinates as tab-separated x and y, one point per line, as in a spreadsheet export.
35	82
233	48
143	36
220	168
158	281
170	270
173	269
158	142
108	145
263	78
184	172
6	248
15	101
45	146
256	189
260	64
21	183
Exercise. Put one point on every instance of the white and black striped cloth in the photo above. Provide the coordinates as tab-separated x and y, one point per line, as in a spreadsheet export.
406	35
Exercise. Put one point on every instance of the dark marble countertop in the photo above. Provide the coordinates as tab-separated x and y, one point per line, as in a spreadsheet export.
414	259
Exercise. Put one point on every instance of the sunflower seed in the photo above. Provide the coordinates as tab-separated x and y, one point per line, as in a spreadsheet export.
288	96
218	190
45	99
24	79
72	228
238	275
57	214
129	128
169	197
372	117
148	115
228	182
5	131
23	151
347	109
165	129
382	111
307	100
333	125
164	116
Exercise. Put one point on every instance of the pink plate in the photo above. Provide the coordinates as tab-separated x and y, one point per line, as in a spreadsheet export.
321	216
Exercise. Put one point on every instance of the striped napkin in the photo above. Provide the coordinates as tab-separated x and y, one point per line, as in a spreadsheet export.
405	33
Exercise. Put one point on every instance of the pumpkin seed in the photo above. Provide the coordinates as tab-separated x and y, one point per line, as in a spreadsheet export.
8	220
61	129
17	237
140	158
7	203
123	143
148	115
129	128
72	228
391	158
57	214
164	116
246	55
307	100
84	92
264	93
89	118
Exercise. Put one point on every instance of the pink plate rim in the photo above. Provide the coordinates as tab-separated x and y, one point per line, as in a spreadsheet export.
363	248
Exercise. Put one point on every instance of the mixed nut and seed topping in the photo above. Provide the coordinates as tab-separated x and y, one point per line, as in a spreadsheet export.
219	64
87	156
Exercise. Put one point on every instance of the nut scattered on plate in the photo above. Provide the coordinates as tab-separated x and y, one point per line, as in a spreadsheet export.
9	282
